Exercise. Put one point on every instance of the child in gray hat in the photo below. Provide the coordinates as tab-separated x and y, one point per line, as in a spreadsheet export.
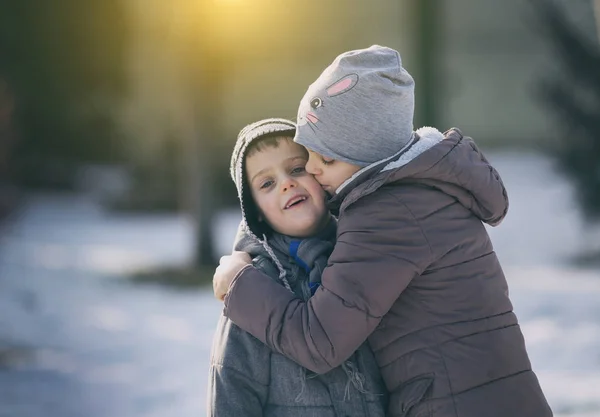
289	233
413	269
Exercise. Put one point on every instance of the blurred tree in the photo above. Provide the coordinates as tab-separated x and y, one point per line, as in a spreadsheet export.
208	108
6	128
576	100
206	68
596	7
427	18
7	138
64	62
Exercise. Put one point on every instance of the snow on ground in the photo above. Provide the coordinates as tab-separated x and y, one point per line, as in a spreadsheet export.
81	344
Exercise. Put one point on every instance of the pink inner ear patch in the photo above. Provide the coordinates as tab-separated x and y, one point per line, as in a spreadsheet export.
312	117
339	86
342	85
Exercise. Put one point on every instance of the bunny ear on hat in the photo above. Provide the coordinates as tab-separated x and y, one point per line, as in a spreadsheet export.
343	85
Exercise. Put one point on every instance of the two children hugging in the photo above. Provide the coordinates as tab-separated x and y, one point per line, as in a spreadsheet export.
412	271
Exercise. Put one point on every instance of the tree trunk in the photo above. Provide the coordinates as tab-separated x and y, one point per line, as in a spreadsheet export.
209	78
198	197
596	7
428	91
208	206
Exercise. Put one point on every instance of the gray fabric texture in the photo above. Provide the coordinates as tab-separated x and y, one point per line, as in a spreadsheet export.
365	97
247	378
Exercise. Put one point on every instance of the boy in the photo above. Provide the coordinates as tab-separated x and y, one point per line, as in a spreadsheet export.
289	232
413	269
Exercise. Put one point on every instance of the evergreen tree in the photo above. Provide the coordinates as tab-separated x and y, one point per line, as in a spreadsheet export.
63	61
575	99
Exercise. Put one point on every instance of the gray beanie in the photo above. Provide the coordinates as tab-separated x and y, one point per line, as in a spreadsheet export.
250	133
360	109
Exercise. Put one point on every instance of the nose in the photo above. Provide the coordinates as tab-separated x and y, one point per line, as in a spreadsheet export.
288	184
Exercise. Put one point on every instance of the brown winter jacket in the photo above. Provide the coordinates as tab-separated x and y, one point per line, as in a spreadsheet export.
414	271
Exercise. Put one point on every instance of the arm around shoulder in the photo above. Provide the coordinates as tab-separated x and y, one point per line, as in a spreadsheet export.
380	249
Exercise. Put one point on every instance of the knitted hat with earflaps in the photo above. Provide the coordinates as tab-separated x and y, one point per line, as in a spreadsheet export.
249	134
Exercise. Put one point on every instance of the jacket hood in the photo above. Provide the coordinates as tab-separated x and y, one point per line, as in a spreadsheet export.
249	134
449	162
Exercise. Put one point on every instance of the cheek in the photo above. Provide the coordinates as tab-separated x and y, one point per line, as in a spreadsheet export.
266	203
311	164
327	174
313	187
338	176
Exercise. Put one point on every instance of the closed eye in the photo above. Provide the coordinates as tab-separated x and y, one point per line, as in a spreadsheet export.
327	161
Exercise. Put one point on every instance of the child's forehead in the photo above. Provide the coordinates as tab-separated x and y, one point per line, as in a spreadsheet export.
274	146
271	157
265	142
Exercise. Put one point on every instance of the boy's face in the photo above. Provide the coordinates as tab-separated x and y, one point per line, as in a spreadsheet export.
328	172
291	201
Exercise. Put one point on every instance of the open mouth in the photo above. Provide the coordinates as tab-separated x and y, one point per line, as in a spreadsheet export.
295	201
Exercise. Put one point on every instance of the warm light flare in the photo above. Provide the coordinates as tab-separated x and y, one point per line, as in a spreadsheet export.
225	23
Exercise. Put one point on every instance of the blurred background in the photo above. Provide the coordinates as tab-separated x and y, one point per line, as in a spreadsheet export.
117	120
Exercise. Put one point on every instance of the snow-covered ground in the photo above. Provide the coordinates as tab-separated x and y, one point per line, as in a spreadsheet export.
75	340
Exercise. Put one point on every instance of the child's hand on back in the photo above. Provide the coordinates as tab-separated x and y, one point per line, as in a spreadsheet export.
229	267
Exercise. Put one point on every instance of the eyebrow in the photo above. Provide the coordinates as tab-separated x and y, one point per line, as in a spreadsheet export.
262	171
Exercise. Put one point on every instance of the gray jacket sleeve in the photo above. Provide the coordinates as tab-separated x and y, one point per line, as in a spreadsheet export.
239	373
